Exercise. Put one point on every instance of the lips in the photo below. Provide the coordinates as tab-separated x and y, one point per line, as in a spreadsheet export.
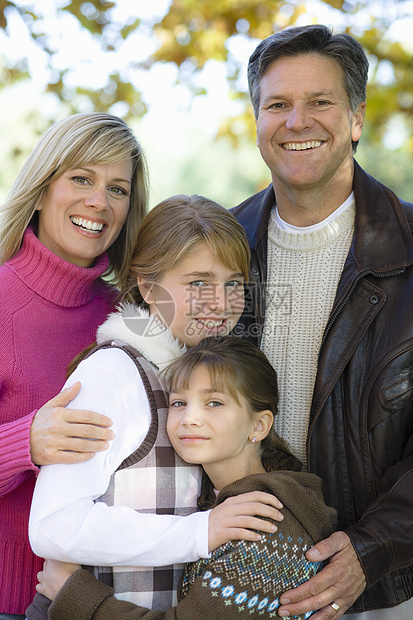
88	225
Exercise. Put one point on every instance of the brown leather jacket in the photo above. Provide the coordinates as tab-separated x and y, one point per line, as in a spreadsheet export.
360	436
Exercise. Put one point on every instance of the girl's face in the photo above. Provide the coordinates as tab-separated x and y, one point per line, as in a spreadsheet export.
82	212
212	429
199	297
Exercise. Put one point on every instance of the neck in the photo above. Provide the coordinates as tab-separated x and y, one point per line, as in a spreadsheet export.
306	206
221	474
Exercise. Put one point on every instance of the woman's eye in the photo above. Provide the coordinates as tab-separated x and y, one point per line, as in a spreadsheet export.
234	283
215	403
80	180
120	191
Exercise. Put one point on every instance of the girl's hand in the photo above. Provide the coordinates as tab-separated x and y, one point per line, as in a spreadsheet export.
53	577
237	518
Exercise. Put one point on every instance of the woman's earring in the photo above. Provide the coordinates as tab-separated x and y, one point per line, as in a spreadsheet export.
254	439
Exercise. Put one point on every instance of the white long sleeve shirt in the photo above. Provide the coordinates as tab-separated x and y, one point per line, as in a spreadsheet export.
65	522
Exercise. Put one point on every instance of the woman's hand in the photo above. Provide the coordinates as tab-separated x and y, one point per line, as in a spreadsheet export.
237	518
60	435
53	577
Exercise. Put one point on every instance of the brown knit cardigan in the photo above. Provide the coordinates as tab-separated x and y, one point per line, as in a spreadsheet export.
241	579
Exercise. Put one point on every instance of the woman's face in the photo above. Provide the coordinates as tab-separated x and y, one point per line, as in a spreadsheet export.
199	297
82	212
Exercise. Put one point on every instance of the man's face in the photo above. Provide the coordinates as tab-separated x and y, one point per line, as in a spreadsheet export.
305	124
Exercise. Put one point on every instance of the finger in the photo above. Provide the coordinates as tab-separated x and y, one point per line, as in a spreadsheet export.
78	444
257	497
327	547
70	458
313	603
87	432
84	416
65	396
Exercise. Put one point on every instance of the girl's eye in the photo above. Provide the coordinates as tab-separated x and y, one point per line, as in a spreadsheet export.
234	283
215	403
197	283
177	403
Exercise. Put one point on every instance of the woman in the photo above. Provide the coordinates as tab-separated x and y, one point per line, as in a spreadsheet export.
131	511
222	401
71	217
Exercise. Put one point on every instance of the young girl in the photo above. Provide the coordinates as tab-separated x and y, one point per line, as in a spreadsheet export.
190	262
222	401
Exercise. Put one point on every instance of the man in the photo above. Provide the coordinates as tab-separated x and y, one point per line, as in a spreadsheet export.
331	306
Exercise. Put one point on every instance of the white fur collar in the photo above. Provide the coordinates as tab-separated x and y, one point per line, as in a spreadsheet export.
134	326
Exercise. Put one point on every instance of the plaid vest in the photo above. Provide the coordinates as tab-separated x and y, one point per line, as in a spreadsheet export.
151	480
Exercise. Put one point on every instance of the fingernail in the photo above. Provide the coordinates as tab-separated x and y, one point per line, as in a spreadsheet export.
315	554
274	528
283	614
285	601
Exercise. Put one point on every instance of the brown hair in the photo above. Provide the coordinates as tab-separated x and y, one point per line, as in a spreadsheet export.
238	367
174	227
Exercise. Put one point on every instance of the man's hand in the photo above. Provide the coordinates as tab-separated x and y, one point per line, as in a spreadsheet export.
238	518
340	582
60	435
53	577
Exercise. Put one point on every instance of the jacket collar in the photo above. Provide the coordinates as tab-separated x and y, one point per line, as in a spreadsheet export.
382	239
134	326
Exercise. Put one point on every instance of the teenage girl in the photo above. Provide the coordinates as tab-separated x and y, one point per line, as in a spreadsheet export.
222	401
190	263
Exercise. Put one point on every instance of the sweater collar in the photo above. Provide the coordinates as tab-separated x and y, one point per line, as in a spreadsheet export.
134	326
382	239
49	276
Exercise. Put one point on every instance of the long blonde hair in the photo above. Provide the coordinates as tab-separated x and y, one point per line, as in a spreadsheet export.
174	227
81	139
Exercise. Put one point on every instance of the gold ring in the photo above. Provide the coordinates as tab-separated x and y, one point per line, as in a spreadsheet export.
335	607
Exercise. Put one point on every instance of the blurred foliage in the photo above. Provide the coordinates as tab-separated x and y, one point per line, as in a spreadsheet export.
193	32
188	35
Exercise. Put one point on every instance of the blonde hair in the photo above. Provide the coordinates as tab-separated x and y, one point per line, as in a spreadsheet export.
81	139
173	228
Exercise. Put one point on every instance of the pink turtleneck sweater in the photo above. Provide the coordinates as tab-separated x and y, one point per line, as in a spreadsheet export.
49	311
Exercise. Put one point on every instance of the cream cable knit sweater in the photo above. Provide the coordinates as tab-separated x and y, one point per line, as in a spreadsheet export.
303	273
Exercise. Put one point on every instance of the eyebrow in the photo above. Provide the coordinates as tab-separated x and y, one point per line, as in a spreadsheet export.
210	274
321	93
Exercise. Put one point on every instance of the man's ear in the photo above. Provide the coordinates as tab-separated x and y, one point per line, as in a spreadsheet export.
263	423
358	121
145	289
